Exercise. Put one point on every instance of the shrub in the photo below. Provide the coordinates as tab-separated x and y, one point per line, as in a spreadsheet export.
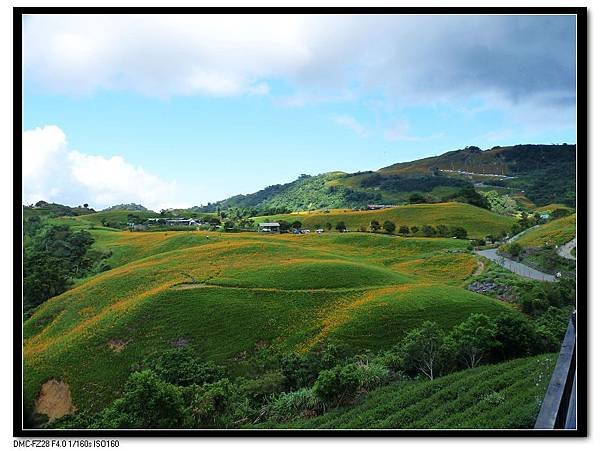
374	226
389	226
147	402
218	405
514	249
258	390
287	406
338	384
341	383
516	336
180	366
459	232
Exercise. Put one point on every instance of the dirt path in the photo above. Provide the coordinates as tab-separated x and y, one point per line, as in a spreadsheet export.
193	286
479	269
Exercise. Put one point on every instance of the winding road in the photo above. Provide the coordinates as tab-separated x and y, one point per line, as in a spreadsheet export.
516	267
565	250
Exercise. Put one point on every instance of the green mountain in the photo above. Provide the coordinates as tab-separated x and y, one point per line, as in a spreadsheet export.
543	173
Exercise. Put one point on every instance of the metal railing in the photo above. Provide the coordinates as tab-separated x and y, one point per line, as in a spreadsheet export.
559	409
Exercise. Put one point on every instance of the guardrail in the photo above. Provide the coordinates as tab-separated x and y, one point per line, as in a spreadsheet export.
559	409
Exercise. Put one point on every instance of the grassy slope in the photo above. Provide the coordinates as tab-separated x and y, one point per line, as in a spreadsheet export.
477	221
459	400
555	232
304	296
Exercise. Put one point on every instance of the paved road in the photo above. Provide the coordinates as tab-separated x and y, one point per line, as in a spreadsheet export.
516	267
565	250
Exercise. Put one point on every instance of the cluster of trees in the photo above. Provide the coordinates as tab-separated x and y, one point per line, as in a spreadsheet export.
286	226
500	203
469	195
440	230
410	182
526	221
305	193
54	255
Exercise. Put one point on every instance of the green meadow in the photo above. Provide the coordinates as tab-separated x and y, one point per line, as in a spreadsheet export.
477	221
228	294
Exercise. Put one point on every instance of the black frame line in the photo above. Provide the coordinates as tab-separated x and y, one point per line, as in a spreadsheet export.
582	226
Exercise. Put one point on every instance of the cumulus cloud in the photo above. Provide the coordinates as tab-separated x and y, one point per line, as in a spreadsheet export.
411	58
350	123
53	172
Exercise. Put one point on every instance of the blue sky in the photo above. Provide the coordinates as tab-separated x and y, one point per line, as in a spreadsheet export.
183	111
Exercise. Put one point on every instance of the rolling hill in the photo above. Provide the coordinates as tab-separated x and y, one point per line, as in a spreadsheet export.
477	221
223	294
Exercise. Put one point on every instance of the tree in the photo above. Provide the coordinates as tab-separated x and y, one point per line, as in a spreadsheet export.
414	229
296	225
468	195
180	366
218	405
516	335
428	230
340	226
375	226
459	232
147	402
328	226
417	198
560	213
474	338
389	226
403	229
442	230
214	221
85	205
423	350
514	249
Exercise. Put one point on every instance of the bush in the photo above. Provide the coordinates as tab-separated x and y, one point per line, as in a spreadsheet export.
260	389
459	232
288	406
339	384
342	383
147	402
516	336
218	405
180	366
514	249
389	226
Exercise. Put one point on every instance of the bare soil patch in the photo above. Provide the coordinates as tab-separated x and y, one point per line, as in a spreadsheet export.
117	345
54	400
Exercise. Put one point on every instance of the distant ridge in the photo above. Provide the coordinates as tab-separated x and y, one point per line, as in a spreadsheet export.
545	174
126	207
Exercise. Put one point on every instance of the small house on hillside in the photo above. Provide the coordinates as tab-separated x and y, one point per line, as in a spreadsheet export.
268	227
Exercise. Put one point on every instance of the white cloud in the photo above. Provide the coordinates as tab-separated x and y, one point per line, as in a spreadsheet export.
399	131
52	172
350	123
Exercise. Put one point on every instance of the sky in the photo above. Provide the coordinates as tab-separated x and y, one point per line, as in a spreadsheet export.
176	111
